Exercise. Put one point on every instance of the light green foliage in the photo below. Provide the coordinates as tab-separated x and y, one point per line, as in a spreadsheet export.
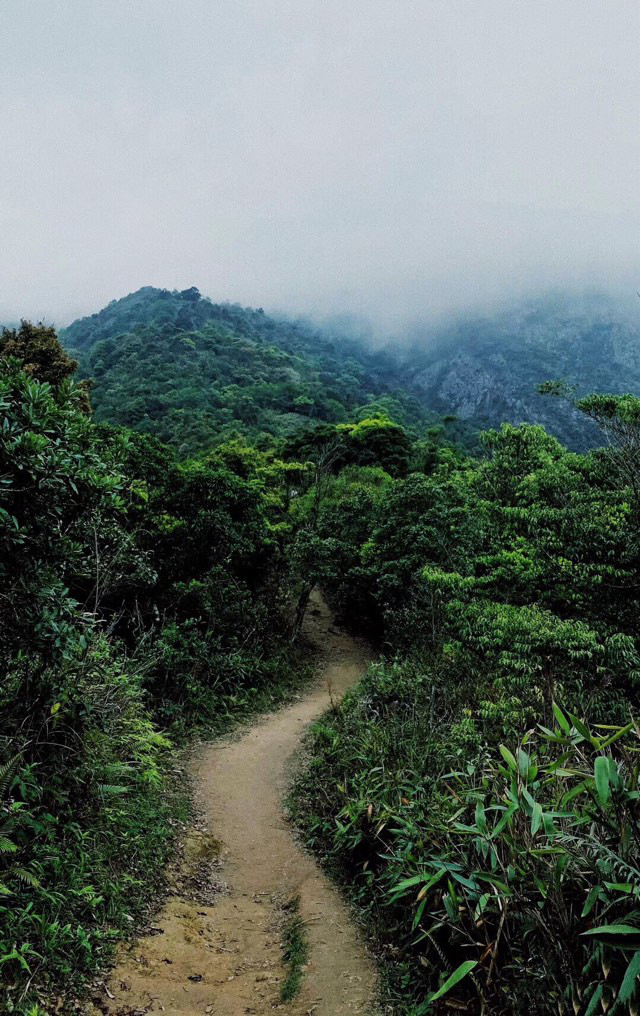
376	441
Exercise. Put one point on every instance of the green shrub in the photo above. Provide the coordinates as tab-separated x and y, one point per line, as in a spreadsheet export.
516	872
86	815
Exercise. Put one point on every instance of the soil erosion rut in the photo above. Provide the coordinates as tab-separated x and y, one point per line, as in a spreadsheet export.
216	948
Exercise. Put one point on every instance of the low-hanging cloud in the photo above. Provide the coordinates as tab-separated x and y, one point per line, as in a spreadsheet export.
394	159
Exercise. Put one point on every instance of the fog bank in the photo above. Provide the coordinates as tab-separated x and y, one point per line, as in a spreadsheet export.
390	160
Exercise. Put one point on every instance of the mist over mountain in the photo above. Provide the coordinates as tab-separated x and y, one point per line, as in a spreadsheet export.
486	368
181	367
389	160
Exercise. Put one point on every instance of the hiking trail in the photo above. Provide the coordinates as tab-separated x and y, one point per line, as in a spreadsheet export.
215	948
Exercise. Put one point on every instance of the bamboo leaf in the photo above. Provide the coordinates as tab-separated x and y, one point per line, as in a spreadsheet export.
630	978
453	979
561	719
601	776
509	758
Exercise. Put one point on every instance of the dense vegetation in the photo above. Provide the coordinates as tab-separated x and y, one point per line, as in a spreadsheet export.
480	787
194	373
140	597
143	597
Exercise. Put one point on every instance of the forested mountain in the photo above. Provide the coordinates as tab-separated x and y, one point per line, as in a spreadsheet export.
192	372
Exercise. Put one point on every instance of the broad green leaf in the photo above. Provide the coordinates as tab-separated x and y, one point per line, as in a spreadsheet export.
613	929
622	887
561	719
453	979
601	776
418	914
595	999
618	936
481	819
503	821
630	979
509	758
468	883
590	901
407	884
580	726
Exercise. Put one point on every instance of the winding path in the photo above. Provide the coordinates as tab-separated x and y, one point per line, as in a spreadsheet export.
225	959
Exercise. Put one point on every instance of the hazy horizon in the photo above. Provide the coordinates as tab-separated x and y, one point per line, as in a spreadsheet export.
387	161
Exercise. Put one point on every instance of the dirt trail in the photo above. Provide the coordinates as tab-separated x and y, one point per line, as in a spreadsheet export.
223	956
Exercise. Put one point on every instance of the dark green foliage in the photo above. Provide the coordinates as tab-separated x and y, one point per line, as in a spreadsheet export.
134	591
83	809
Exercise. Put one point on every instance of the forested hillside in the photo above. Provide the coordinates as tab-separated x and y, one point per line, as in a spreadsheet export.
144	599
192	372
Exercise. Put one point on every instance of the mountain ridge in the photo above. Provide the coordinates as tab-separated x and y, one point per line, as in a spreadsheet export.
483	369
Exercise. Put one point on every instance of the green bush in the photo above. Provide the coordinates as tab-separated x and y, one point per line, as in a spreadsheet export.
516	870
86	814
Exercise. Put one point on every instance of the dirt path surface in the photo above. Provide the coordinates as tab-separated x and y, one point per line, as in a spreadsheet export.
216	947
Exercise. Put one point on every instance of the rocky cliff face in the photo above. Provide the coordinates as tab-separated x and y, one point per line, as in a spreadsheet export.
486	370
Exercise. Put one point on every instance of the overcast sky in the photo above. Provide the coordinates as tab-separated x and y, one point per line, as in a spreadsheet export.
391	158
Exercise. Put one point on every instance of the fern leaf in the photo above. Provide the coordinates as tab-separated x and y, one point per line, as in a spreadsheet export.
26	876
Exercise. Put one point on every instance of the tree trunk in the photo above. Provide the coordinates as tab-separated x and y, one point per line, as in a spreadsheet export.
303	602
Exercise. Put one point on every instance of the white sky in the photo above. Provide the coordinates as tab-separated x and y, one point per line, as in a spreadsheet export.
392	159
